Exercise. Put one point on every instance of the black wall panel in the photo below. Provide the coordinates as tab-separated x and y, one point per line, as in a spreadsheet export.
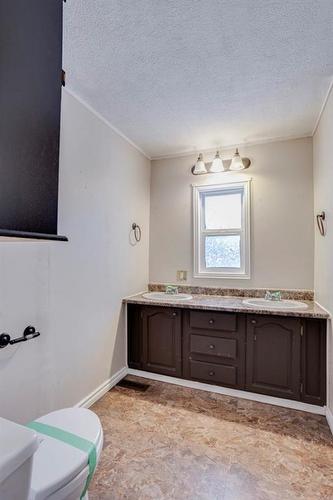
30	98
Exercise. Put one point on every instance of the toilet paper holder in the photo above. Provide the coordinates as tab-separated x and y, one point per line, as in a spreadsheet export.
28	334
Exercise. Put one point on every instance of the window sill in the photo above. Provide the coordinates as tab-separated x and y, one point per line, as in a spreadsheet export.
231	276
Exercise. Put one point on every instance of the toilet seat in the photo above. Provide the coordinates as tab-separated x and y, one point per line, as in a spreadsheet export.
59	469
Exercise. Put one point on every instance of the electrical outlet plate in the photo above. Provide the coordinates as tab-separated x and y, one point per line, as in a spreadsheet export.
181	275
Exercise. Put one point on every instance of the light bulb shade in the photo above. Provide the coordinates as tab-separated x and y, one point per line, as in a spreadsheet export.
199	167
217	164
236	162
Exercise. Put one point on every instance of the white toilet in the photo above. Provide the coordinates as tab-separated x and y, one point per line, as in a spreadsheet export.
34	466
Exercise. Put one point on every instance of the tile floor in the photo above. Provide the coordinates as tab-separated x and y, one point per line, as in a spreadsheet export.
171	443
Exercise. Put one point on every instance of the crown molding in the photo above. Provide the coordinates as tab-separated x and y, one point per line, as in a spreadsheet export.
232	146
322	109
105	121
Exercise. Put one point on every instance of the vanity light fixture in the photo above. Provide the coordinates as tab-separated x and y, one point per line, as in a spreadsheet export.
236	163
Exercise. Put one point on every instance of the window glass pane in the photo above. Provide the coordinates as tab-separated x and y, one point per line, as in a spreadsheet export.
223	211
222	251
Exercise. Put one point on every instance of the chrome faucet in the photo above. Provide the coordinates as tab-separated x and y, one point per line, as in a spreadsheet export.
273	296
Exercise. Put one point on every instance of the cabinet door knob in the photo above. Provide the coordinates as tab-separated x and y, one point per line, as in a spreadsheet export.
211	373
174	314
211	346
253	321
211	321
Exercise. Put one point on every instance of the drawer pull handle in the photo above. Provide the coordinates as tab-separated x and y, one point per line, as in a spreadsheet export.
211	321
211	374
211	346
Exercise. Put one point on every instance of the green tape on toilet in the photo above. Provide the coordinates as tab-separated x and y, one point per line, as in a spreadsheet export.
73	440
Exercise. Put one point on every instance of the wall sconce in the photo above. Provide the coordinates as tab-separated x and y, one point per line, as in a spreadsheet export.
218	165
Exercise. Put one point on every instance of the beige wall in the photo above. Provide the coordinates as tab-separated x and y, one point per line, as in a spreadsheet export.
281	216
72	291
323	200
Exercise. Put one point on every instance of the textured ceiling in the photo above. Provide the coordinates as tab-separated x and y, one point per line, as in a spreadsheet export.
181	75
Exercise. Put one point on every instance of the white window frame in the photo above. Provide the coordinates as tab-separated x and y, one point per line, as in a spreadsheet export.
199	232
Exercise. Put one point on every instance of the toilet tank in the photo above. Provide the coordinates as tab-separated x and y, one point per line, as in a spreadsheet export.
17	446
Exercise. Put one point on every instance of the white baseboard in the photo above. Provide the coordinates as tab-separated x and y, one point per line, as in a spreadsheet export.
102	389
251	396
260	398
329	418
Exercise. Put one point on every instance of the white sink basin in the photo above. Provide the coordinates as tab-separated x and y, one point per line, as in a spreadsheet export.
167	296
278	304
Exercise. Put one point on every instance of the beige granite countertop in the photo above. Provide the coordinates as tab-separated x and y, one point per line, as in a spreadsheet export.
230	304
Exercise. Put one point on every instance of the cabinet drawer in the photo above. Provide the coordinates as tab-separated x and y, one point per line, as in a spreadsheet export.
225	348
220	374
210	320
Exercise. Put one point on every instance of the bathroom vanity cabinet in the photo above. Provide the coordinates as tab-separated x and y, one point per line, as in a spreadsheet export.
267	354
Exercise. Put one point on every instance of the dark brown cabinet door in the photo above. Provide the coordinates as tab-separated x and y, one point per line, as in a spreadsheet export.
134	336
273	364
161	336
314	362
